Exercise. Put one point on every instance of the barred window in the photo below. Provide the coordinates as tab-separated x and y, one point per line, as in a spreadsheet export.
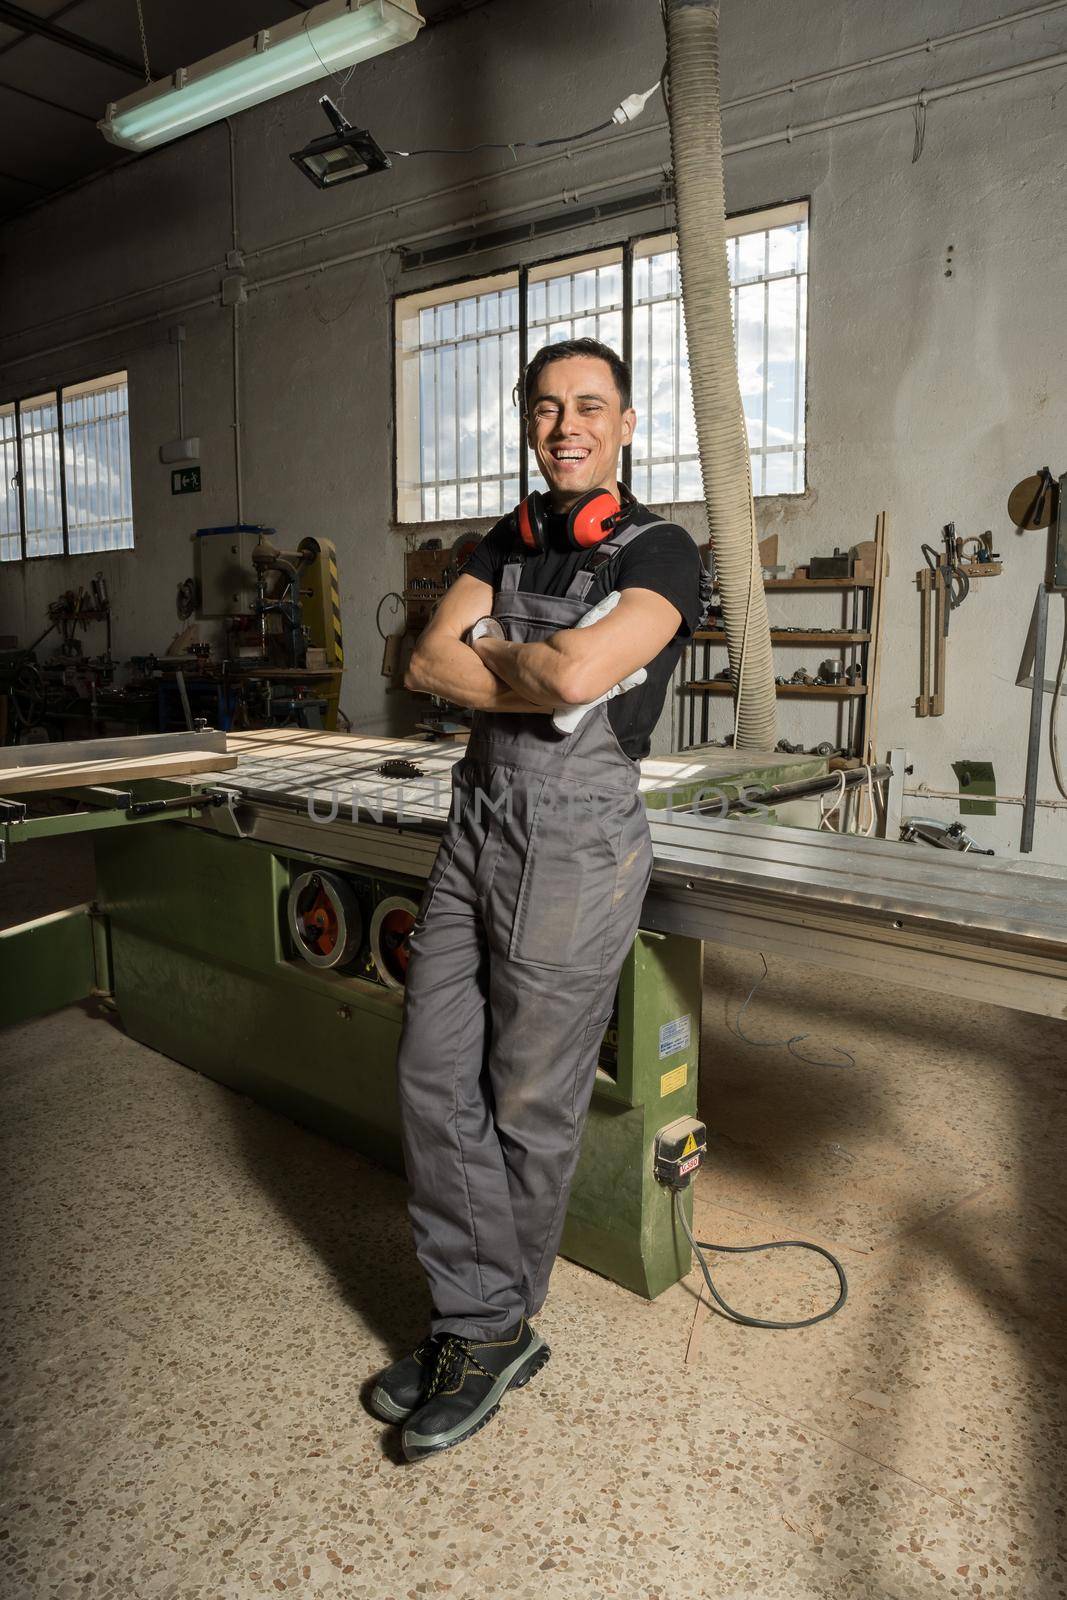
457	419
65	457
459	351
767	257
96	432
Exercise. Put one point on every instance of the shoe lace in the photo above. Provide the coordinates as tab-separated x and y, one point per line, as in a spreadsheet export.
451	1353
454	1354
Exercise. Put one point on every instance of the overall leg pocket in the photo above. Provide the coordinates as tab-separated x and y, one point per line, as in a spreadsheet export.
462	794
568	881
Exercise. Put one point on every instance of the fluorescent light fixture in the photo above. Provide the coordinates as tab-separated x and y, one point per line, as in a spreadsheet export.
326	39
346	153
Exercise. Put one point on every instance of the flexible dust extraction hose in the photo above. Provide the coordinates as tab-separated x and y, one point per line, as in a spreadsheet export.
700	204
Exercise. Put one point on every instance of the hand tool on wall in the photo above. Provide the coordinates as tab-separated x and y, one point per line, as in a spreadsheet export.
1040	501
943	585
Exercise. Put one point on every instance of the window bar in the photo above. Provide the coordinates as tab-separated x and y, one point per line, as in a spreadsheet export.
648	408
57	462
501	453
21	480
128	493
31	493
109	486
797	396
457	464
766	349
62	470
99	452
676	357
524	333
436	424
478	419
627	338
70	466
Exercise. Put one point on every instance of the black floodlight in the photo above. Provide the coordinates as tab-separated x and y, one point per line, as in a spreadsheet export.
346	153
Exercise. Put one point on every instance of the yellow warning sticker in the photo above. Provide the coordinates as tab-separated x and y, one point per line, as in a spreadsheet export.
689	1146
675	1079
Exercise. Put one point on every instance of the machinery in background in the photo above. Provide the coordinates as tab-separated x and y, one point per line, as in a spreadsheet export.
65	692
283	653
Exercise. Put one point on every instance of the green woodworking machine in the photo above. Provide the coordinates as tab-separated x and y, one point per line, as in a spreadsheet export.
251	920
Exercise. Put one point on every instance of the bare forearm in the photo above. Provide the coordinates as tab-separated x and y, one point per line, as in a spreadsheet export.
541	670
454	671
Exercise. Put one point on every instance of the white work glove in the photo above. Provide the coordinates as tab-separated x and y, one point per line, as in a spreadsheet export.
484	628
566	718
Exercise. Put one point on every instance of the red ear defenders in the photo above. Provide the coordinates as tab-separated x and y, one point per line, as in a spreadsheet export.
591	519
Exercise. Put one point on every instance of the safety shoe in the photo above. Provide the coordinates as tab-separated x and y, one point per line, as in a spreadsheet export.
404	1387
470	1378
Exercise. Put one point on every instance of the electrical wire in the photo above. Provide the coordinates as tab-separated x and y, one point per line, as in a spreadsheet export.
512	144
342	82
700	1245
1053	721
787	1044
825	815
627	110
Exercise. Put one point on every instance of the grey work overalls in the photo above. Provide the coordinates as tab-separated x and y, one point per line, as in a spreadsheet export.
529	912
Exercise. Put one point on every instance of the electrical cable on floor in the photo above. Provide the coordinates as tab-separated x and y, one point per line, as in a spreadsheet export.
787	1044
700	1245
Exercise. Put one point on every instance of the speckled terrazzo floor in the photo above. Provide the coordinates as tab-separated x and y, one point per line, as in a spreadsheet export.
195	1292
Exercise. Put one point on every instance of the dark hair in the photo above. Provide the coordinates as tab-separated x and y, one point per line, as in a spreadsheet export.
577	347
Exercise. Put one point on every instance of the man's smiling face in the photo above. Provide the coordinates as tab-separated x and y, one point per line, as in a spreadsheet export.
577	426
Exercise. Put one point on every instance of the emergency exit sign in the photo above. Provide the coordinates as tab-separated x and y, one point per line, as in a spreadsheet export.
185	480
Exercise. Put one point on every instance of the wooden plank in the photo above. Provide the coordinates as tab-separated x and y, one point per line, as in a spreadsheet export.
84	774
796	636
816	583
831	691
874	654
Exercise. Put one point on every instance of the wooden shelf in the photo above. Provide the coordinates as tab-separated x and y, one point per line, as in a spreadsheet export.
815	691
815	583
785	636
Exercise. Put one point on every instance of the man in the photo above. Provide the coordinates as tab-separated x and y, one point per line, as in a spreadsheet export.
534	898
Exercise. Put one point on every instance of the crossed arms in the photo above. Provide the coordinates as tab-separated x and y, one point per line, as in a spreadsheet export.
571	667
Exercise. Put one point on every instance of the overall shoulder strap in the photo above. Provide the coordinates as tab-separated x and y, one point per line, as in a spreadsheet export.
510	574
607	551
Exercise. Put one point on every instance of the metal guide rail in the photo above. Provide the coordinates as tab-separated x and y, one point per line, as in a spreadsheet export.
994	930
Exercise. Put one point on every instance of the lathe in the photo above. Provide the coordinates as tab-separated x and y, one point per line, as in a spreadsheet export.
251	918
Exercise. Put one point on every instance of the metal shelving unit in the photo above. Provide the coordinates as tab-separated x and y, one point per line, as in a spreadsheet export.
853	643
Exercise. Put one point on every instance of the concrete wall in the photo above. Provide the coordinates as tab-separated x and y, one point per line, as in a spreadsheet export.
928	396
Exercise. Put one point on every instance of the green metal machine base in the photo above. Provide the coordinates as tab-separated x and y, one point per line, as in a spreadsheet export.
202	972
47	964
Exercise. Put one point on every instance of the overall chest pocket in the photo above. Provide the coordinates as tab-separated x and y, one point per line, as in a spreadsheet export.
569	874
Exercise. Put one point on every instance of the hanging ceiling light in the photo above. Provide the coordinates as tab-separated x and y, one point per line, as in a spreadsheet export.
327	38
346	153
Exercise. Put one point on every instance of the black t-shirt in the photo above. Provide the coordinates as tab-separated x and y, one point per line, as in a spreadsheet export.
665	559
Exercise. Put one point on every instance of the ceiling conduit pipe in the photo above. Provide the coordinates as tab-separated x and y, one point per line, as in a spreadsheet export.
700	205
